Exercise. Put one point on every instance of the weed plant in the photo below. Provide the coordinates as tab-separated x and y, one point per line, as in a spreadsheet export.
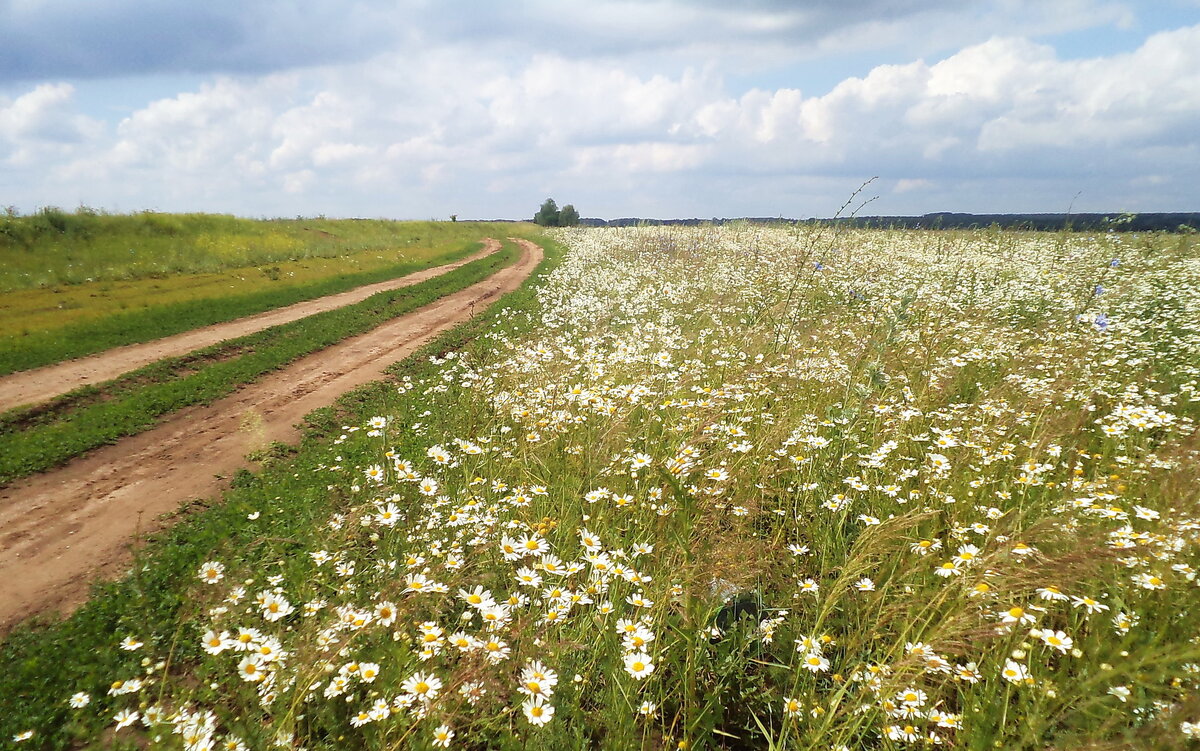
729	487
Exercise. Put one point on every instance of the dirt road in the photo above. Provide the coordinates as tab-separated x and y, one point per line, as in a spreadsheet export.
62	529
35	386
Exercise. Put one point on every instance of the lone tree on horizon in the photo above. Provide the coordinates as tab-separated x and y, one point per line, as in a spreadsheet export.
549	215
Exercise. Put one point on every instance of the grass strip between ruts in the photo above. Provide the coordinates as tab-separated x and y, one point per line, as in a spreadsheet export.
143	396
135	327
41	665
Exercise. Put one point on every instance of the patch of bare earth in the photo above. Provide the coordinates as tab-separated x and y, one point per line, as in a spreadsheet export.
34	386
62	529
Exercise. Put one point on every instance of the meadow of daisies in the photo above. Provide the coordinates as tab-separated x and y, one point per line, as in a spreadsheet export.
735	487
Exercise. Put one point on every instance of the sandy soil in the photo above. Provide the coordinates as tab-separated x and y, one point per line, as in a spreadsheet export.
64	528
36	386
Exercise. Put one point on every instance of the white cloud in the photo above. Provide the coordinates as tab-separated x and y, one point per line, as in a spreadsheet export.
42	125
638	157
450	128
906	185
1001	99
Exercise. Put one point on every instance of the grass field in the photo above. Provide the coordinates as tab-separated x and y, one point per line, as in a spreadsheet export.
738	487
54	248
104	281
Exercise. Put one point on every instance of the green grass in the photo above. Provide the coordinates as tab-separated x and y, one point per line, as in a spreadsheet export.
41	326
35	439
54	248
42	665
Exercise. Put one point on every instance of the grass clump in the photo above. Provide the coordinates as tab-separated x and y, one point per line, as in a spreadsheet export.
732	487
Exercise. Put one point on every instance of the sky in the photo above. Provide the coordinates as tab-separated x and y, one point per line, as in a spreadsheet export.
422	109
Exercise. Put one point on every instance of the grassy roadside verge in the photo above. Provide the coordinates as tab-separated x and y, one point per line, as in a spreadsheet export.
41	666
133	327
53	248
33	440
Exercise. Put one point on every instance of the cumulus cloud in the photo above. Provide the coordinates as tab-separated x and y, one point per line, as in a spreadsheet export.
42	124
452	130
66	39
1003	100
102	38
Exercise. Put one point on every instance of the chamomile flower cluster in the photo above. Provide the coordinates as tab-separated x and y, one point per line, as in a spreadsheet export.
858	488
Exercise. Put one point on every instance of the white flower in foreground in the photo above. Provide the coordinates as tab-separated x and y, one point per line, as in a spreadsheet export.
1015	672
423	686
125	718
815	663
252	668
212	572
537	711
1057	640
638	665
275	607
792	707
442	735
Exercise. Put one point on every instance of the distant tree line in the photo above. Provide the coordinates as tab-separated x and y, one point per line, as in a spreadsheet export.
549	215
1154	222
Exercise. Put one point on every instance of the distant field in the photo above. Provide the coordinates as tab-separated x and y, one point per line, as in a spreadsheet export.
57	248
73	284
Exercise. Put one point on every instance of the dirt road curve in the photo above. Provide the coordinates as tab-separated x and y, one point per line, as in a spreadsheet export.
61	529
35	386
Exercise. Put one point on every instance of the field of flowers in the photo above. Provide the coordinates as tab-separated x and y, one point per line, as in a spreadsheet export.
736	487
